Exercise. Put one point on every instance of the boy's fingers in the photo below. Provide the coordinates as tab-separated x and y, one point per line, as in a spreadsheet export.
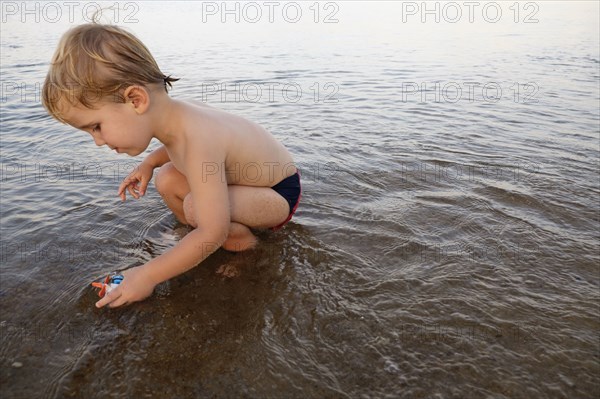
122	187
143	186
128	179
108	298
132	192
122	193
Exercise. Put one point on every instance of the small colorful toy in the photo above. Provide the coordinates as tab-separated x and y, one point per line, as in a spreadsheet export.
109	284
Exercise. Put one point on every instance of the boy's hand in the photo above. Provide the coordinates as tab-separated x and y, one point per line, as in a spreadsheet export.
141	176
136	285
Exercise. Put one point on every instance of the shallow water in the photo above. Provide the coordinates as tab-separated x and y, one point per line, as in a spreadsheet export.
445	247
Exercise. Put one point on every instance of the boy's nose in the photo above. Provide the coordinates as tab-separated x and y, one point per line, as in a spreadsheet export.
99	142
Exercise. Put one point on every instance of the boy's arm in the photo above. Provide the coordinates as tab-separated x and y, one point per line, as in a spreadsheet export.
137	181
158	157
205	173
204	169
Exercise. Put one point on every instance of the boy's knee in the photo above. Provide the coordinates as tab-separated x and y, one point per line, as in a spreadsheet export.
165	178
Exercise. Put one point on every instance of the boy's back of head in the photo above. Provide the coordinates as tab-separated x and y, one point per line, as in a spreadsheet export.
96	62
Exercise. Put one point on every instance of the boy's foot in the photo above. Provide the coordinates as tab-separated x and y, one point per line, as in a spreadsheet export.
240	244
240	238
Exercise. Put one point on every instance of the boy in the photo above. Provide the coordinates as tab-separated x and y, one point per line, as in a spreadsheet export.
219	173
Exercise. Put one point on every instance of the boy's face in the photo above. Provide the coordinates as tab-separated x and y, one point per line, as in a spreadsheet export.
116	125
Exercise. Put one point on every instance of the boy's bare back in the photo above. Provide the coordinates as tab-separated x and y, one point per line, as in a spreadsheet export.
253	157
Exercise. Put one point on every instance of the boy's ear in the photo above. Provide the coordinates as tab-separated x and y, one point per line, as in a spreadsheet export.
138	97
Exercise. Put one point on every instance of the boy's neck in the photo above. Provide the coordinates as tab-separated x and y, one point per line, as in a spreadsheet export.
165	118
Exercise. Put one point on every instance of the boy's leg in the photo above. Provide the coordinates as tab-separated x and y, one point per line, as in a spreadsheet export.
250	207
239	237
173	187
256	207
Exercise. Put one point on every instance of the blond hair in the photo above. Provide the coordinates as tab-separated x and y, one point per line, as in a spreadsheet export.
94	62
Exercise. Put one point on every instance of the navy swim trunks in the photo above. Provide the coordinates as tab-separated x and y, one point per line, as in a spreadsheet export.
289	188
